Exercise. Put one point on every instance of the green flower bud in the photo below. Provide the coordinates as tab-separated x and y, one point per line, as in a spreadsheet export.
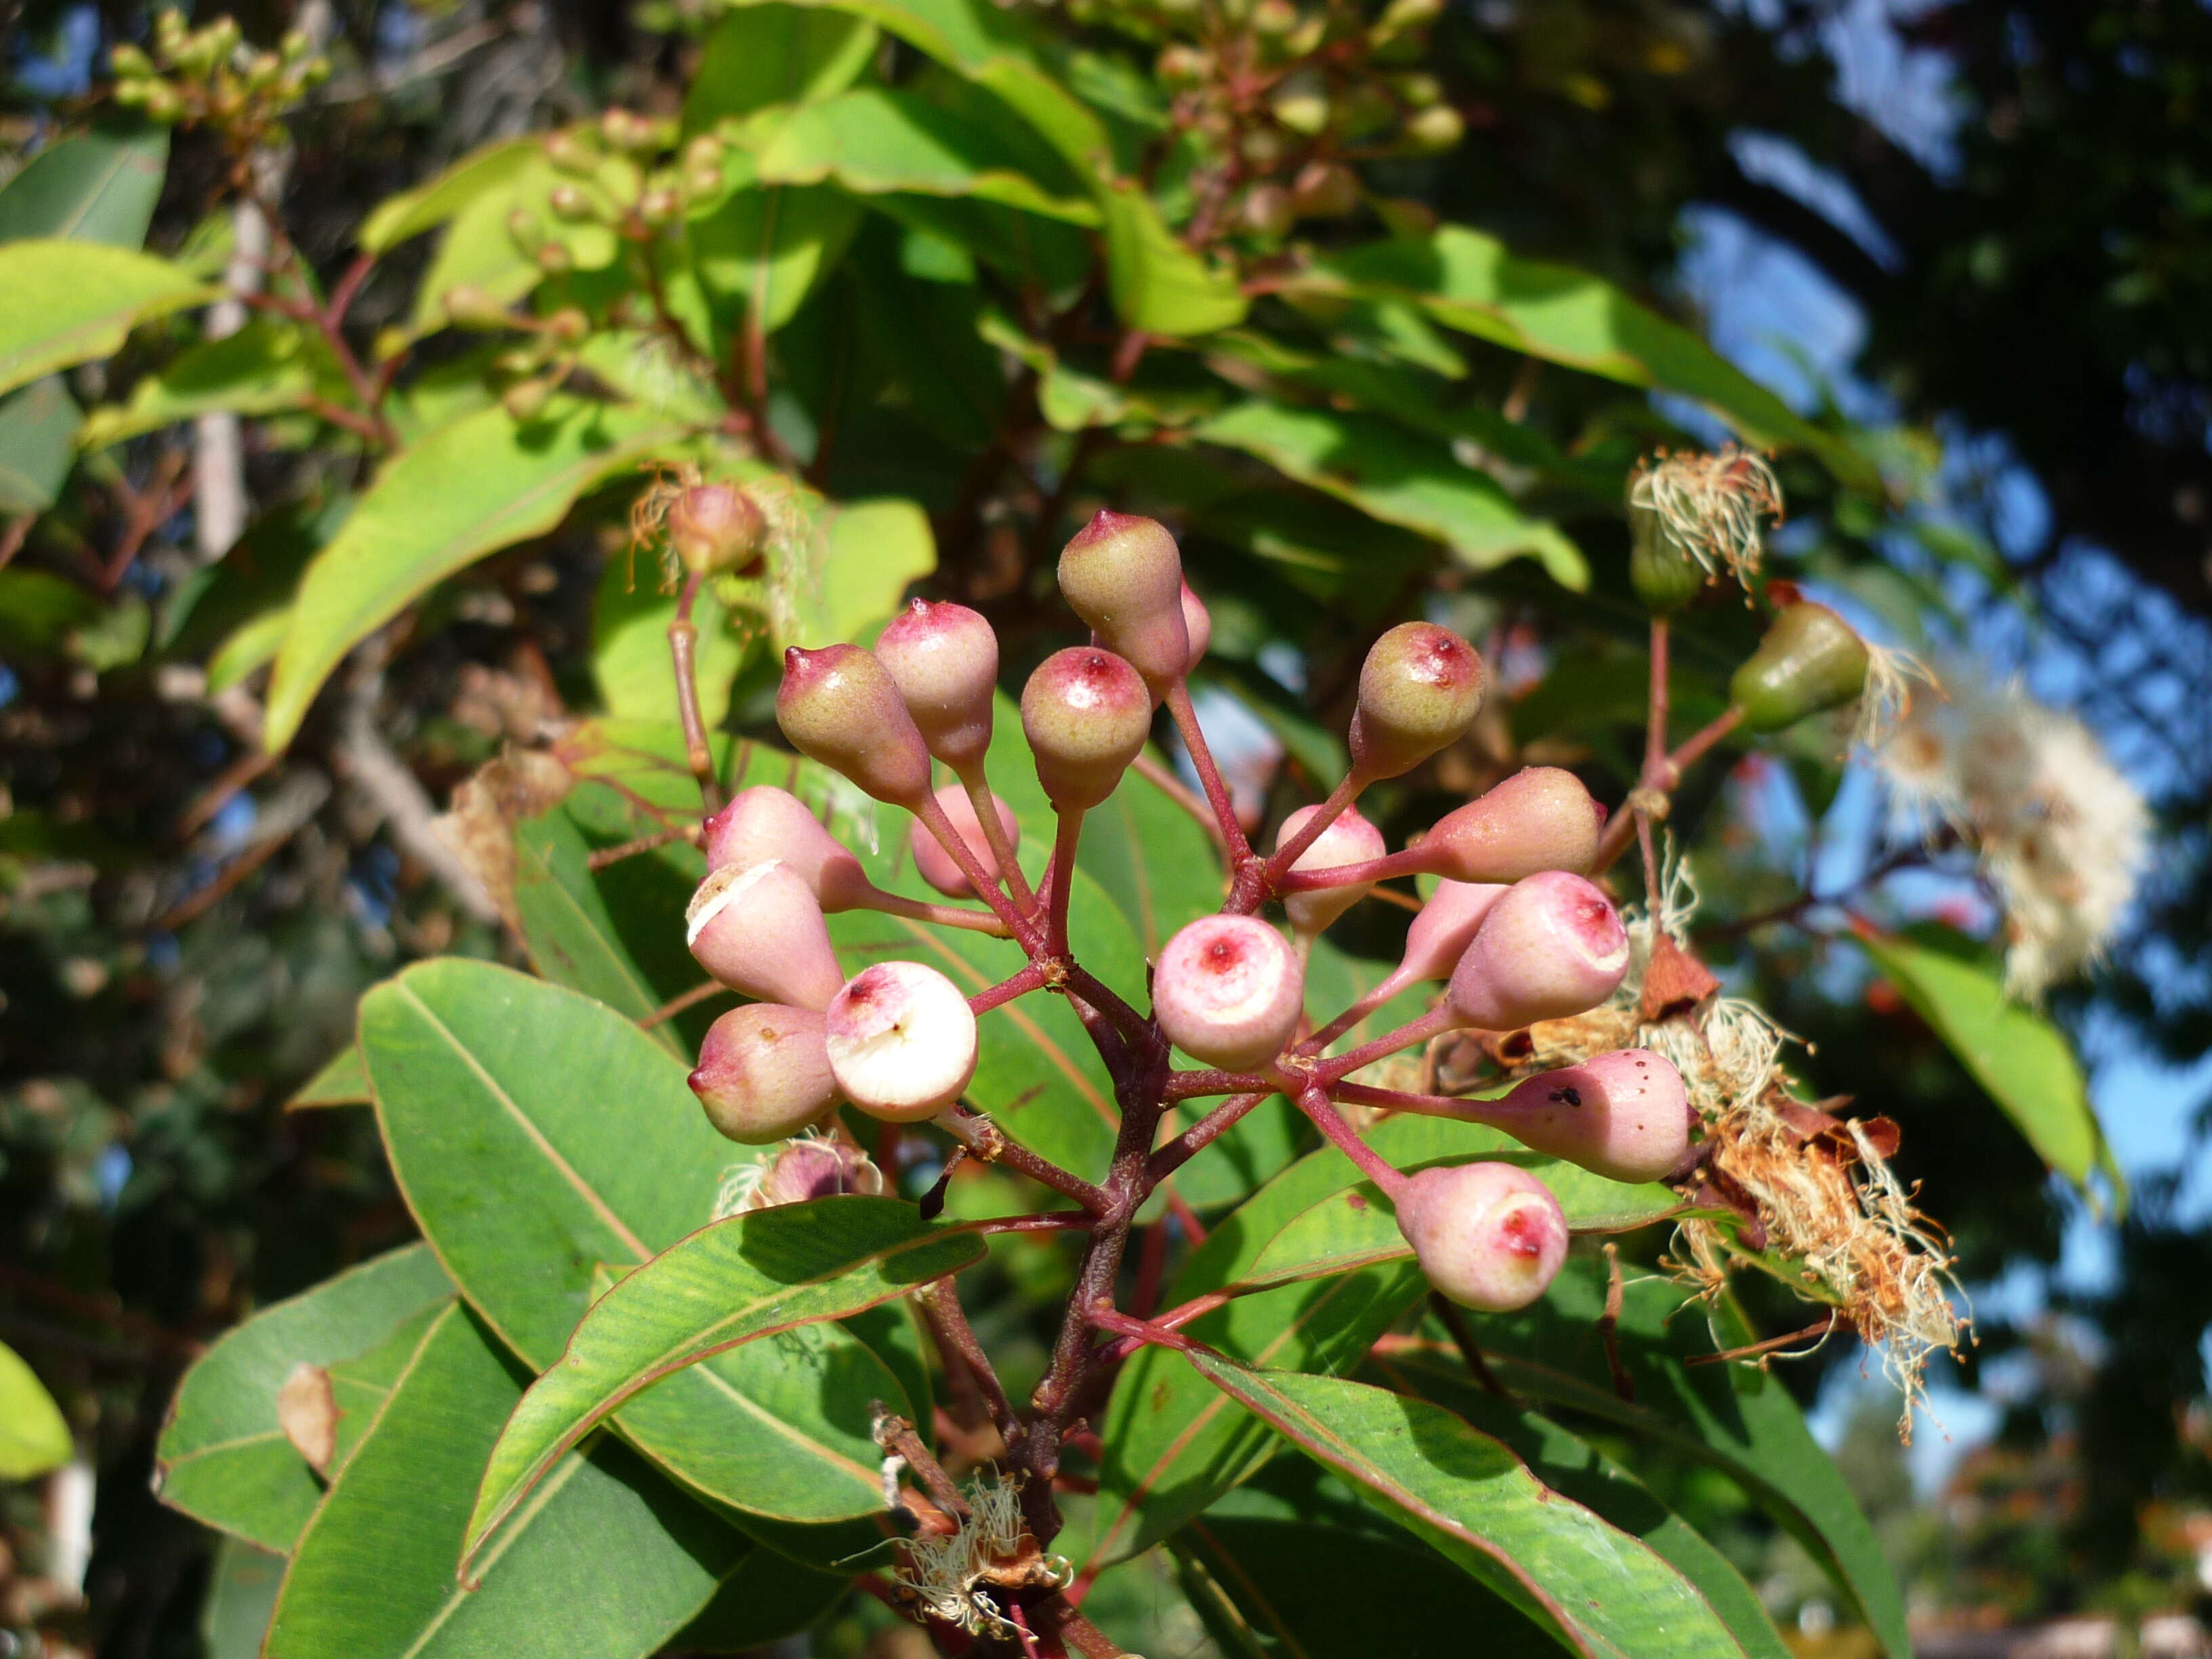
526	399
570	204
570	155
658	208
1810	660
1301	103
468	306
129	61
1419	690
1435	129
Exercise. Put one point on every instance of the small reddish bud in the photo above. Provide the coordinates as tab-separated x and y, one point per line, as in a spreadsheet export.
1228	991
945	660
1540	818
1624	1116
763	1072
1351	839
1446	927
816	1167
1123	575
840	707
902	1041
1087	713
759	931
1810	660
716	528
1490	1236
935	866
1420	688
1552	946
1197	626
764	823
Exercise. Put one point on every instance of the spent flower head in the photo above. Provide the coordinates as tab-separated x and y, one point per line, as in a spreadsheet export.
1707	511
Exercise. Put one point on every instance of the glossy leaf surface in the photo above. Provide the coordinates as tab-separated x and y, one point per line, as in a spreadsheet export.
69	301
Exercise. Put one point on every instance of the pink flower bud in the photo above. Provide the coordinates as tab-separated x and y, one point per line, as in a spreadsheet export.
1420	688
1490	1236
765	823
1624	1116
1445	926
1551	947
1087	713
759	931
1198	625
1228	991
763	1072
1351	839
1540	818
935	866
838	706
715	528
1123	575
945	660
902	1041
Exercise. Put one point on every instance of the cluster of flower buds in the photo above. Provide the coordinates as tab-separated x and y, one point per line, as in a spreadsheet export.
626	172
209	74
1514	931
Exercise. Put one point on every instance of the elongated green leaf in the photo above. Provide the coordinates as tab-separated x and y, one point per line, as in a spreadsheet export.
34	1438
767	249
2015	1053
69	301
775	54
536	1134
1399	478
482	484
768	1598
242	1588
1159	283
1468	281
38	444
343	1081
629	648
269	365
874	142
100	185
439	200
737	1281
608	1565
223	1458
1603	1593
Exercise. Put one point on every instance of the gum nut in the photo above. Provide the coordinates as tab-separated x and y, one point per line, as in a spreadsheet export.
1490	1236
1087	713
1810	660
1420	688
1123	575
1446	926
1228	991
944	659
1624	1116
1197	626
841	706
1552	946
1540	818
1349	840
935	866
763	1072
902	1041
759	931
765	823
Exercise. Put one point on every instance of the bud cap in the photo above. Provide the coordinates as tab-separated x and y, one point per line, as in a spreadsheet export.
759	931
1228	991
1351	839
1087	713
840	707
763	1072
1123	575
944	659
1420	688
902	1041
1490	1236
1552	946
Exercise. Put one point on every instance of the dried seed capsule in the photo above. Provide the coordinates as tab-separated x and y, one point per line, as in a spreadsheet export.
1420	688
1350	839
1624	1116
759	930
1123	575
839	706
945	659
1446	926
902	1041
935	866
1540	818
1552	946
1229	991
1811	659
1085	713
1488	1235
763	1072
764	824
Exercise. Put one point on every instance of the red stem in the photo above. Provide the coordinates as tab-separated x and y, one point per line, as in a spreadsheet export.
1209	776
1435	1022
1330	1121
1022	929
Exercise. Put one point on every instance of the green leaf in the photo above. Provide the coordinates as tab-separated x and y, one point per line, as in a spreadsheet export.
767	248
71	301
343	1081
477	174
38	444
481	247
1159	283
97	186
874	142
775	54
488	1082
768	1598
2019	1057
484	484
1468	281
34	1438
608	1565
734	1282
269	365
1603	1593
1399	478
223	1458
629	645
871	552
241	1596
39	612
